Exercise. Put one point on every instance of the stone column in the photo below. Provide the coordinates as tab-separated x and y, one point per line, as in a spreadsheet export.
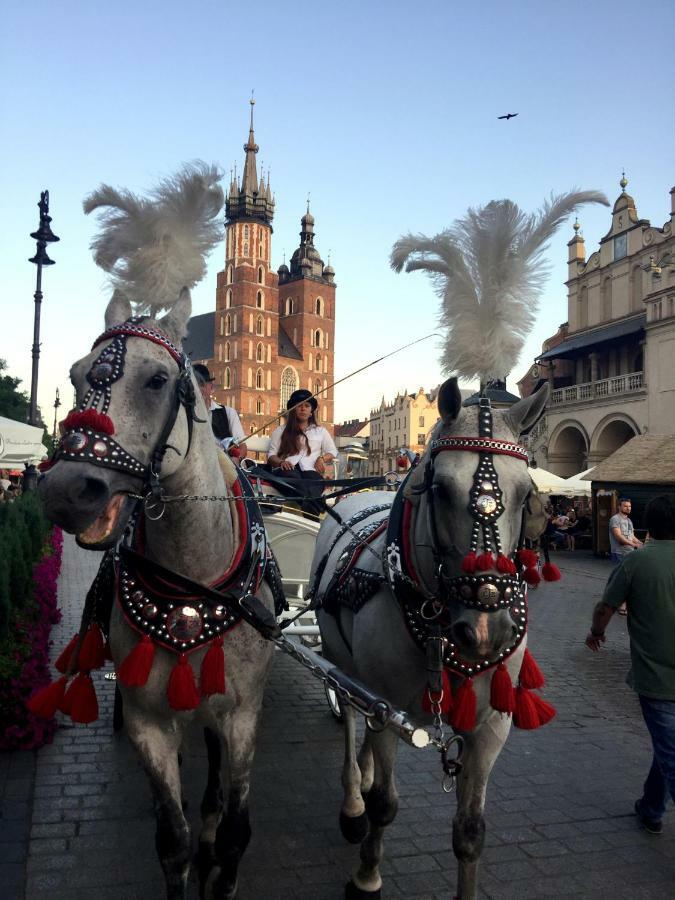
594	366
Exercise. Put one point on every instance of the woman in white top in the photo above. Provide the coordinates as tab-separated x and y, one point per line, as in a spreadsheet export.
300	449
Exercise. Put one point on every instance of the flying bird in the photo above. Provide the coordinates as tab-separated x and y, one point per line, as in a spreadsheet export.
508	116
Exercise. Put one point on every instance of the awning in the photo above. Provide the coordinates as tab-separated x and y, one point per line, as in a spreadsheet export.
575	345
19	443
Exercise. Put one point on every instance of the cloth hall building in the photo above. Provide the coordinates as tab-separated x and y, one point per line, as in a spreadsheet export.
271	332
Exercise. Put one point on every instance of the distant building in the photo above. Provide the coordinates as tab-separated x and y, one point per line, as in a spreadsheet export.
611	366
352	440
272	332
403	423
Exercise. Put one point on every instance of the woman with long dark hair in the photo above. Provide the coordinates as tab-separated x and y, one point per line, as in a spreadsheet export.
301	448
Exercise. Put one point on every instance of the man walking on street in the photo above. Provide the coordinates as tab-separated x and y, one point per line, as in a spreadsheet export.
622	540
645	581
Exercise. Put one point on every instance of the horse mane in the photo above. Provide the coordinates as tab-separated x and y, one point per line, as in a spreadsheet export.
153	247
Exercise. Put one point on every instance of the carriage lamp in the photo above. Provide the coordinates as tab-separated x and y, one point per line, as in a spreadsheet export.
44	235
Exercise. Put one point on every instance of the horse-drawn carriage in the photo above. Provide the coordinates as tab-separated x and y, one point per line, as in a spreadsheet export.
421	593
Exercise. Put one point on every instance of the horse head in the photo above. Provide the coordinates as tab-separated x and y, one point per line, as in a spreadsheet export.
133	422
473	508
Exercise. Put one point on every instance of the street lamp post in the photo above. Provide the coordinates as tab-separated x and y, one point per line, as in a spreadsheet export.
43	236
57	403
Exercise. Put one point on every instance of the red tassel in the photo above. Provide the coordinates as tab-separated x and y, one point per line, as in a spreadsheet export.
506	565
463	716
83	702
446	700
545	711
531	576
485	561
469	563
527	558
47	700
92	653
530	675
502	695
67	702
212	675
525	715
135	669
234	452
550	572
89	418
182	690
61	664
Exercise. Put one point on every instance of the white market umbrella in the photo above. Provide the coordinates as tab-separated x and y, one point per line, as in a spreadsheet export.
580	487
548	483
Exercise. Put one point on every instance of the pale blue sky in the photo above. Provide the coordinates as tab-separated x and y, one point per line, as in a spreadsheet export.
385	111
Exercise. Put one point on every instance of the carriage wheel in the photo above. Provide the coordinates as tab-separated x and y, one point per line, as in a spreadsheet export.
333	703
118	710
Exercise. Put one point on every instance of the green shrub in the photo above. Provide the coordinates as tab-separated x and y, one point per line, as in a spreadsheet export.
23	531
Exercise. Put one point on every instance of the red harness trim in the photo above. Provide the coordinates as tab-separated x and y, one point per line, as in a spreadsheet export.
479	445
148	335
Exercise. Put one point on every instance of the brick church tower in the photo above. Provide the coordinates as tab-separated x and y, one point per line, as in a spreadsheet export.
272	333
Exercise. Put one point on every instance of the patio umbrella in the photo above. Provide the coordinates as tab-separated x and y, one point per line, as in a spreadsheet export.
548	483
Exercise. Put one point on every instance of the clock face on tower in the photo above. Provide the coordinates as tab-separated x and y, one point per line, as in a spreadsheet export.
620	246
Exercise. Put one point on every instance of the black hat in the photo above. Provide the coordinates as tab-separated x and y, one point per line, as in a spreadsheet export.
301	396
202	373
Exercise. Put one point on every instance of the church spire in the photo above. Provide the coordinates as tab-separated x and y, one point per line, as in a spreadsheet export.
249	183
252	200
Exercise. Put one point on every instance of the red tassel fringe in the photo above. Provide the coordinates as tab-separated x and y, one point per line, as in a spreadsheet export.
531	711
527	558
531	576
545	711
446	699
502	694
47	700
63	661
463	717
182	691
89	418
485	561
530	676
82	704
506	565
469	563
92	651
135	670
550	572
212	674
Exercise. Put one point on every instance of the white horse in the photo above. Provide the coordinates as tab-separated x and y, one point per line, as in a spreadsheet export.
380	604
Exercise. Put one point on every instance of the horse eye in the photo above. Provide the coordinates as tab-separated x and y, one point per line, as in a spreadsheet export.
157	382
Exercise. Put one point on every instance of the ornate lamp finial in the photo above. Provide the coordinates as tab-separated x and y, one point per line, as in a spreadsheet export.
308	196
623	182
576	226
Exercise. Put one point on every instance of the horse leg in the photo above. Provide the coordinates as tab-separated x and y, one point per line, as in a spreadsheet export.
381	806
234	831
211	808
157	747
481	749
353	818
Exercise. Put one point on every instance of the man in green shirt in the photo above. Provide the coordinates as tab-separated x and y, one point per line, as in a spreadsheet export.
645	581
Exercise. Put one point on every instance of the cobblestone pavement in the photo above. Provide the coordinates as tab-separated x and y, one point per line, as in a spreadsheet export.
559	808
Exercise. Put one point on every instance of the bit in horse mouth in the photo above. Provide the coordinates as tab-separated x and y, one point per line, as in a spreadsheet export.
103	526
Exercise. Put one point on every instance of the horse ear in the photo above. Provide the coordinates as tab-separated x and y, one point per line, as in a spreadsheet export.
118	310
175	321
527	412
449	401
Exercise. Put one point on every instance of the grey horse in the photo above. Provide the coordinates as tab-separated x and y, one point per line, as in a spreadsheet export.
196	540
373	643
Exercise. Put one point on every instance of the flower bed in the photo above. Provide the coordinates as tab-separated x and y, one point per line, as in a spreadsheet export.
24	644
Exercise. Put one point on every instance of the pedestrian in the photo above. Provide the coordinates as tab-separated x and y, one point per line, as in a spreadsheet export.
622	540
645	582
300	449
225	421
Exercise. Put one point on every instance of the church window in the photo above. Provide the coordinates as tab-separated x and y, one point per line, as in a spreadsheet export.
246	232
228	299
259	326
260	353
252	428
222	326
260	300
227	381
227	351
246	248
318	306
261	271
318	362
228	324
234	326
250	377
318	342
260	379
289	383
317	388
259	406
269	353
229	275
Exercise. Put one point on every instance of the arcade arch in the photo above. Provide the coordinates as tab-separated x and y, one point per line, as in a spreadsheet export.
568	449
610	434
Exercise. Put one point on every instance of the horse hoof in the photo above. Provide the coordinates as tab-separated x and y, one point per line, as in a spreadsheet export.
353	828
352	892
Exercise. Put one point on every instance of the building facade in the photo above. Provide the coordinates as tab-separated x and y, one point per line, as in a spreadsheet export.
402	424
272	331
611	366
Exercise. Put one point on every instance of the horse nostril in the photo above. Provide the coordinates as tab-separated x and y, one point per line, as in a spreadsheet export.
93	491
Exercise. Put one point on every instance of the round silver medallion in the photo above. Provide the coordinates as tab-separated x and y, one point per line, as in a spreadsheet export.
486	486
219	612
488	593
102	371
486	504
75	441
150	611
184	623
100	448
507	593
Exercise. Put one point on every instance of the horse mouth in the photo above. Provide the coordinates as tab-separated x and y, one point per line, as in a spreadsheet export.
102	527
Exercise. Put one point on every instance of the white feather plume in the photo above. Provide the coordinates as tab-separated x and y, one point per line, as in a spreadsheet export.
489	270
154	247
